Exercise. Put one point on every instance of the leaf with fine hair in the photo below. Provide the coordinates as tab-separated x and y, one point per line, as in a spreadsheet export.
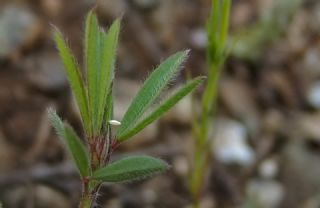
76	148
93	65
74	77
56	122
164	107
109	43
150	91
108	113
130	169
78	151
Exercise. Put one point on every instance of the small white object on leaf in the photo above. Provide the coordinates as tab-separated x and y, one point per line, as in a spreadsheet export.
114	122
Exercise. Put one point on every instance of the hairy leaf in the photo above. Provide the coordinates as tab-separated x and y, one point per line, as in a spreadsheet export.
130	169
75	78
109	44
56	122
93	65
109	106
78	151
164	107
150	91
76	148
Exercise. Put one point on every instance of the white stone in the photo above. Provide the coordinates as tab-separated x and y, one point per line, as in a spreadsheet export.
230	145
313	95
268	168
199	38
265	194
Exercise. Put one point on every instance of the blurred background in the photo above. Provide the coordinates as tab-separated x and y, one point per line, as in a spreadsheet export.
266	150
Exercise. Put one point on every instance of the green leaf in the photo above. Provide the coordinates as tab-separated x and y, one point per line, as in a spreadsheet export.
76	148
92	58
130	169
151	90
108	59
109	106
74	77
164	107
56	122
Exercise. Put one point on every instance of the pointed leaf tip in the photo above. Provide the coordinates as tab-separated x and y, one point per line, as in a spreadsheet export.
74	76
163	107
151	90
78	151
131	169
75	147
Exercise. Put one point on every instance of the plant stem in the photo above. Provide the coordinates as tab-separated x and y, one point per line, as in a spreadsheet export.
86	201
87	198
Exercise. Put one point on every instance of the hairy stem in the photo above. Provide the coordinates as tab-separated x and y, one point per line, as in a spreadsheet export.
86	200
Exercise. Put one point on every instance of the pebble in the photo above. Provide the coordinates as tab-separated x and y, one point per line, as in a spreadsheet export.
17	25
269	168
149	196
181	166
264	193
273	121
198	38
307	126
313	95
46	72
229	143
311	62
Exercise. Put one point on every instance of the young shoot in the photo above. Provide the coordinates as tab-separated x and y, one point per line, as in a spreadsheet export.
94	97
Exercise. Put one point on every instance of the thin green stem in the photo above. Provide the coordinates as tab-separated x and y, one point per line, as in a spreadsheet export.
217	30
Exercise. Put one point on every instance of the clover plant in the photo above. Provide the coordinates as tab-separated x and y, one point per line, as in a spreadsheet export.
94	96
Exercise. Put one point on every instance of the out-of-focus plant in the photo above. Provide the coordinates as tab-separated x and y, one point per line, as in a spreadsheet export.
217	31
250	42
94	98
